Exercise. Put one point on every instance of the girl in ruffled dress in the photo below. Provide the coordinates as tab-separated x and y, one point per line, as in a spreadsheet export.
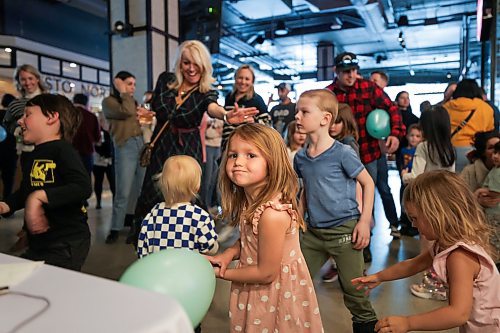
271	287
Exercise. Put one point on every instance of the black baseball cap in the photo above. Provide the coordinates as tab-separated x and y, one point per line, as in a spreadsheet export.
345	61
284	85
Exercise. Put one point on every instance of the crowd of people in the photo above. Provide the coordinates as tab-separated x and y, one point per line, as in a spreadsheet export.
307	169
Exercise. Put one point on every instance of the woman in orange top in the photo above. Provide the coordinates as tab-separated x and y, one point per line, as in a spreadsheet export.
466	98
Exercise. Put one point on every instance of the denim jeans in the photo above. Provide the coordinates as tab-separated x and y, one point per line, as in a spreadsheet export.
382	184
372	169
128	179
209	179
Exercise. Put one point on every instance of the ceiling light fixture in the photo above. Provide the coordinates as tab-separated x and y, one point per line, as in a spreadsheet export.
281	29
337	24
72	65
8	50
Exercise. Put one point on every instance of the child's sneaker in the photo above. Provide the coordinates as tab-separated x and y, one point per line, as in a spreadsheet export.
395	232
430	288
330	276
429	292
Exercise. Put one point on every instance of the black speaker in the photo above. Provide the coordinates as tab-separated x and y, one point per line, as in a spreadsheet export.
200	20
324	54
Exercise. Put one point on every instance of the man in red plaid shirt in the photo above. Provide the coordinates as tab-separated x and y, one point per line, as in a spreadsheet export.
363	96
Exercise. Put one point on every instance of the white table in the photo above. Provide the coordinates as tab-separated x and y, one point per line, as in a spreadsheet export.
85	303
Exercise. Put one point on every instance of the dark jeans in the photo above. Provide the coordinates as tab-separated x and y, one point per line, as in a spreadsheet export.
66	254
88	162
99	172
209	177
384	190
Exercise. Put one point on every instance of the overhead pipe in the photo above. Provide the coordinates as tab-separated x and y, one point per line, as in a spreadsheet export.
388	12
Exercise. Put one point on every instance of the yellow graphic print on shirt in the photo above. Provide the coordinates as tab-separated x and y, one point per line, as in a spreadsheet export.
42	172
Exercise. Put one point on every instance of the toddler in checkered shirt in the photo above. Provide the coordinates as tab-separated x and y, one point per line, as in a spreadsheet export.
176	223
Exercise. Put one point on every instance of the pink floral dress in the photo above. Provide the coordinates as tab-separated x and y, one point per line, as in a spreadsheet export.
288	304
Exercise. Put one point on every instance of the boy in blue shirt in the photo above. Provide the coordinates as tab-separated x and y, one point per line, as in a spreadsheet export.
335	227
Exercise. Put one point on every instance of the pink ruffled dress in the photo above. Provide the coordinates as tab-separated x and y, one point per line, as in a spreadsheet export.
485	314
289	303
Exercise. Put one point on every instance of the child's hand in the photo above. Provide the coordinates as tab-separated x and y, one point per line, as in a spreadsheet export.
34	215
404	172
486	198
4	208
361	235
367	282
393	324
219	263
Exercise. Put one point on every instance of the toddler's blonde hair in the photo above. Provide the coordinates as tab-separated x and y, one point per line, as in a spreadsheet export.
180	179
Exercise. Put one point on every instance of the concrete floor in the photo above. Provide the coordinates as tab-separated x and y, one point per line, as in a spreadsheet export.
391	298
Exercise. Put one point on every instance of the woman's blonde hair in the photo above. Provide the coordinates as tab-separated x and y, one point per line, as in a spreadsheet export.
201	57
346	117
325	100
251	91
180	179
33	71
451	209
281	178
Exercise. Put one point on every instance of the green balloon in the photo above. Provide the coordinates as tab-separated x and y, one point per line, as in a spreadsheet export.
378	124
180	273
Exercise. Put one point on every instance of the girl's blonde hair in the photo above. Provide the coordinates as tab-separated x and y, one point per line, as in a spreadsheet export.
201	57
346	117
281	178
251	91
325	101
180	179
450	208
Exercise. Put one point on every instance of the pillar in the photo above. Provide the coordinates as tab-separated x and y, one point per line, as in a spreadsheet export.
147	47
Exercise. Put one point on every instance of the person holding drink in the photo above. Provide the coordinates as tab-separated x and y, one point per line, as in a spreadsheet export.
122	113
147	120
181	98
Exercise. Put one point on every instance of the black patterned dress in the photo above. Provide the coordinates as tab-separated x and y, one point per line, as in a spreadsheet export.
181	137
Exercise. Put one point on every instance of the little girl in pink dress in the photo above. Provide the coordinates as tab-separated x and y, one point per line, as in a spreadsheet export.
441	206
272	290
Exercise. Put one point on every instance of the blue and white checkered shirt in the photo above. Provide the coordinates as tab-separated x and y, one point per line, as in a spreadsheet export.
181	226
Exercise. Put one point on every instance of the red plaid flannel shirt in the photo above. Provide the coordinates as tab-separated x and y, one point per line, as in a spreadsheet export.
363	97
